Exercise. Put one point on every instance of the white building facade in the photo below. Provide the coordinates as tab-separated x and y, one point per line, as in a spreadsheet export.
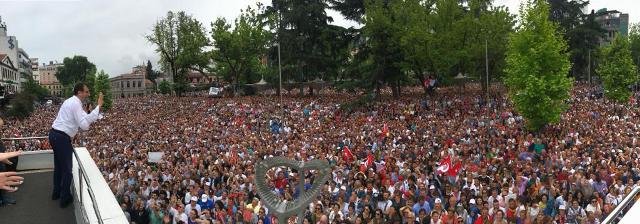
19	57
8	75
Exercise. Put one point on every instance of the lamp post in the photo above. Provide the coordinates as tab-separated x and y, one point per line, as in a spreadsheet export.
279	63
486	62
279	74
589	66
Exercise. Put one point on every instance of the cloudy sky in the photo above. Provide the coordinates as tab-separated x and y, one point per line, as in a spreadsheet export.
111	32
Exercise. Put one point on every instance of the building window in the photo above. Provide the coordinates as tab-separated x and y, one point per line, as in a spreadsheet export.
139	84
127	84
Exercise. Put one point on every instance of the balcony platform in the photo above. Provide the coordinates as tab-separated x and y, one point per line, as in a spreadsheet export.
34	204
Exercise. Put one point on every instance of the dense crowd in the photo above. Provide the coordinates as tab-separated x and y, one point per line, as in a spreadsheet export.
450	157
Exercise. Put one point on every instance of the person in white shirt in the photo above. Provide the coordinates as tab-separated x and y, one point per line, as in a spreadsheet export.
70	119
178	214
193	206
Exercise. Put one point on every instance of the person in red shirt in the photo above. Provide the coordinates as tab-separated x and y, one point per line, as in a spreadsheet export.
280	182
511	211
484	217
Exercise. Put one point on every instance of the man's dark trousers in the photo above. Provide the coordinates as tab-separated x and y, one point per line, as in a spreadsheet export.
62	160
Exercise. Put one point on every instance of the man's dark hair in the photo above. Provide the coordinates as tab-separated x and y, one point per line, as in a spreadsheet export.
78	87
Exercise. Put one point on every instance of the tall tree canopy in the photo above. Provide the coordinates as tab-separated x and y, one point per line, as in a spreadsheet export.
238	50
353	10
617	70
303	30
102	84
152	75
581	31
634	39
405	41
537	67
76	69
181	41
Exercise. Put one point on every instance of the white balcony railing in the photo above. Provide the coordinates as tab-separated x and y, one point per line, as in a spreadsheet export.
93	200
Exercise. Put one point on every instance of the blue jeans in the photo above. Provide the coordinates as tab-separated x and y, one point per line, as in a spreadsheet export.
62	160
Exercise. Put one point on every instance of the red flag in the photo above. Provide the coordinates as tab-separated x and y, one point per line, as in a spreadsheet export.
453	171
385	129
346	154
370	160
445	164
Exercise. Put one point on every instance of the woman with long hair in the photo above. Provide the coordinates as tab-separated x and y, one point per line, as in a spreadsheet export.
499	218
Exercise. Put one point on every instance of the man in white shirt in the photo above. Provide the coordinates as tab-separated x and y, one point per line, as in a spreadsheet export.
193	206
71	117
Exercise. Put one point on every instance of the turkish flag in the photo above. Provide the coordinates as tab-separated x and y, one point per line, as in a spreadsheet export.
370	160
385	131
346	154
445	164
453	171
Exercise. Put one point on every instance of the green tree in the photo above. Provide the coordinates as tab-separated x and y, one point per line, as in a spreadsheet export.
581	31
385	52
22	105
496	24
617	70
76	69
634	39
301	29
351	9
90	81
164	87
238	50
181	41
537	67
151	74
102	84
35	89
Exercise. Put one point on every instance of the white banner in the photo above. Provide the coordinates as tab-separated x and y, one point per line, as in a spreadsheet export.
155	157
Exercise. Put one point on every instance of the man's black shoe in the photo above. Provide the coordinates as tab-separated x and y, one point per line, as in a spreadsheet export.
66	202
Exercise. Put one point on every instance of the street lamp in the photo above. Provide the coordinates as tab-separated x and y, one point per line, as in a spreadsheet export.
279	74
589	66
486	55
486	62
279	63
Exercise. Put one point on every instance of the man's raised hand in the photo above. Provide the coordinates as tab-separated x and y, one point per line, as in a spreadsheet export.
100	99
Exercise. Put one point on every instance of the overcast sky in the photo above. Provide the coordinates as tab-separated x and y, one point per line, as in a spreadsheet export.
111	33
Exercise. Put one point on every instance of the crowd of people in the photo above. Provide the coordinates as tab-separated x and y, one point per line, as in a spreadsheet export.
449	157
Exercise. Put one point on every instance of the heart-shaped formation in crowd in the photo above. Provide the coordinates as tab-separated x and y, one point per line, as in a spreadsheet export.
285	209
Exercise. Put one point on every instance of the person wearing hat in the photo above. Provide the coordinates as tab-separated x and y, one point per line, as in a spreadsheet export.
205	202
193	204
562	214
438	206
